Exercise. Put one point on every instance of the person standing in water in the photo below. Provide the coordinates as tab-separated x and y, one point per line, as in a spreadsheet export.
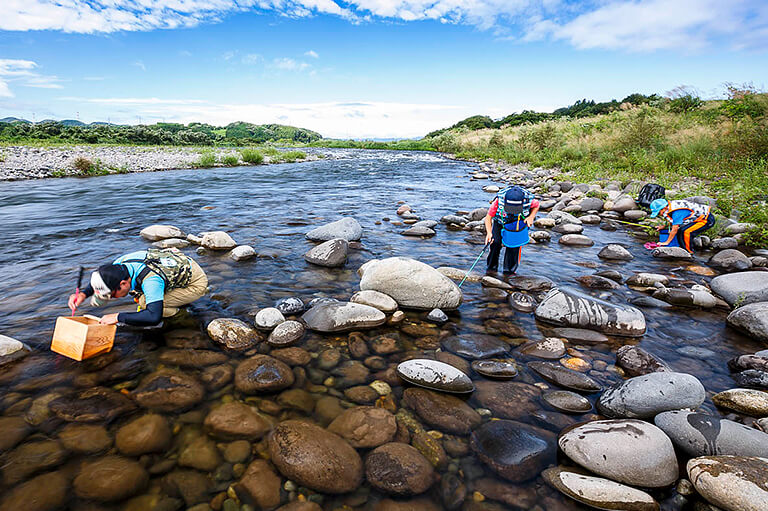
510	216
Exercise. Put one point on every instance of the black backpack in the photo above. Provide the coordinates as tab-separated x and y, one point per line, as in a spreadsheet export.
650	193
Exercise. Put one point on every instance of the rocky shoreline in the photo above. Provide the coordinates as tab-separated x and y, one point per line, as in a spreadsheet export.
31	162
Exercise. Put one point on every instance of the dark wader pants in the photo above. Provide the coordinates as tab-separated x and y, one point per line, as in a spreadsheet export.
511	255
690	230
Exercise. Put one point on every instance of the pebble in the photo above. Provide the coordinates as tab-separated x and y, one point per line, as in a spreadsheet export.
435	375
567	401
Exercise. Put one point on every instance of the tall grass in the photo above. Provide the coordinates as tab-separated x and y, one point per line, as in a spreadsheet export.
252	156
207	160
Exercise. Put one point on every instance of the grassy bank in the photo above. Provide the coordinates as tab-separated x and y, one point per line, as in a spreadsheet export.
719	150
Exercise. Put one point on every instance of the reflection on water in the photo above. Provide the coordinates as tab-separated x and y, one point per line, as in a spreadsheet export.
51	227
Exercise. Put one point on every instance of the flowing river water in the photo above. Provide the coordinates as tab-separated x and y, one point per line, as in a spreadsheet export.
51	227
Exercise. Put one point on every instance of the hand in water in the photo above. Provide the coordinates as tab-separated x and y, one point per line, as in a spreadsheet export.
109	319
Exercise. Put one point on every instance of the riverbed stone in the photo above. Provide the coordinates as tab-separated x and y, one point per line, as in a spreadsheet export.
508	399
261	374
419	230
92	405
644	397
672	253
14	429
242	253
444	412
686	297
561	217
233	334
436	375
733	483
384	303
597	282
571	308
741	288
268	318
643	280
259	486
747	401
568	229
567	401
315	458
110	479
331	254
290	306
629	451
551	348
636	361
399	469
522	302
751	319
236	420
85	438
614	252
502	369
730	260
192	358
437	316
597	492
576	240
476	346
159	232
147	434
699	434
46	492
346	228
168	390
568	378
365	426
30	458
516	451
342	316
285	334
580	335
218	240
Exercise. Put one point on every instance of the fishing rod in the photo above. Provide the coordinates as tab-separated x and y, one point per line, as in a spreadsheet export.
77	289
473	265
628	223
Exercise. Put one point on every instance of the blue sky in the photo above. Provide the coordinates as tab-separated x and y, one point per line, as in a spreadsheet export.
366	68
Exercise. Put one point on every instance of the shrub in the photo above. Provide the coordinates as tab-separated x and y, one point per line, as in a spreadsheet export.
252	156
687	103
207	159
641	129
83	165
231	160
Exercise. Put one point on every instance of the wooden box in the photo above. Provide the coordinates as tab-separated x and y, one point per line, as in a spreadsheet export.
81	337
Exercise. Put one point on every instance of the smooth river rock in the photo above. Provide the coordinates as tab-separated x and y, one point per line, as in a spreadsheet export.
752	319
146	434
733	483
167	390
384	303
236	420
365	426
568	378
598	492
476	346
643	397
571	308
218	240
347	228
286	334
515	451
411	283
342	316
160	232
315	458
399	469
262	373
742	288
435	375
268	318
576	240
444	412
673	253
233	334
500	369
636	361
699	434
508	399
627	450
615	252
747	401
730	260
331	254
110	479
567	401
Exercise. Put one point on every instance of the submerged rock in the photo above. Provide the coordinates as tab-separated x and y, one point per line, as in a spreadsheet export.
516	451
46	492
365	426
571	308
435	375
508	399
342	316
30	458
565	377
262	373
259	486
147	434
167	390
447	413
644	397
495	368
567	401
347	228
93	405
700	434
331	254
522	302
636	361
236	420
733	483
476	346
597	492
399	469
233	334
110	479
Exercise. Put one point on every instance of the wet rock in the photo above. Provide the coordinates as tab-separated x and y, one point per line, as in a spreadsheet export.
314	457
11	349
147	434
167	390
216	377
742	288
30	458
399	469
495	368
297	399
673	253
751	319
747	401
454	219
236	420
342	316
598	492
539	236
286	334
568	307
218	240
192	358
268	318
346	228
375	299
437	316
85	438
453	360
628	451
530	284
581	336
733	483
647	280
201	454
522	302
611	274
699	434
550	348
418	230
14	429
559	375
744	362
110	479
475	346
331	254
365	426
636	361
446	413
730	260
46	492
615	252
561	217
568	229
645	396
98	404
488	281
597	282
544	223
457	274
567	401
513	495
686	297
411	283
649	302
233	334
576	240
190	485
752	378
435	375
351	373
508	399
290	306
160	232
516	451
298	505
242	253
262	373
259	486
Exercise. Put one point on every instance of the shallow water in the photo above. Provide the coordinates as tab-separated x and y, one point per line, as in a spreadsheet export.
51	227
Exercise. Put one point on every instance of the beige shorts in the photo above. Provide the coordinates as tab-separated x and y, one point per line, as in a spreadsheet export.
176	298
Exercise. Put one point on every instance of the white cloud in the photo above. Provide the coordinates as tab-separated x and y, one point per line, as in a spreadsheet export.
359	119
288	64
312	53
140	65
23	72
252	58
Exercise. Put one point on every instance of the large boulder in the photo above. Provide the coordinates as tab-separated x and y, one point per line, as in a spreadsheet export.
571	308
643	397
331	254
742	288
411	283
160	232
218	240
733	483
751	319
347	228
730	260
315	458
342	316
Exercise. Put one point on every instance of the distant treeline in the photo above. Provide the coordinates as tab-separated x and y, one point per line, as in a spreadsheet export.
581	108
162	133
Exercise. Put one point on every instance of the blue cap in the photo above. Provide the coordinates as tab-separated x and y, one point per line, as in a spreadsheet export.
657	205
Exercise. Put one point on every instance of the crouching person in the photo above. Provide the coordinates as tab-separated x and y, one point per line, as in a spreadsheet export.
510	216
160	280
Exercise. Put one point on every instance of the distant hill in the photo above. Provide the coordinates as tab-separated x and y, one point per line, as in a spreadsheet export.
72	122
10	120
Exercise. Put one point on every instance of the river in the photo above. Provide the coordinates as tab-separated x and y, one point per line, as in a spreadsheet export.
51	227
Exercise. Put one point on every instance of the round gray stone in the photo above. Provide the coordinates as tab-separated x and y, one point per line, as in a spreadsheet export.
646	396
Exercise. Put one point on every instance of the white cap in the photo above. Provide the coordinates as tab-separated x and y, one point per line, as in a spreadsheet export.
100	289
